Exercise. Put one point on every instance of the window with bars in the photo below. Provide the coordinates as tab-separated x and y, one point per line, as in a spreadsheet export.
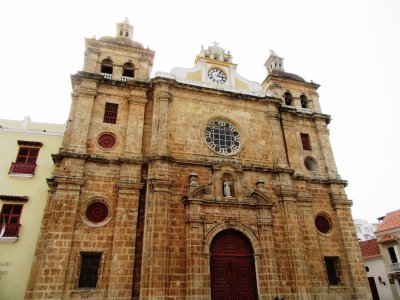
332	269
305	141
9	220
90	263
110	113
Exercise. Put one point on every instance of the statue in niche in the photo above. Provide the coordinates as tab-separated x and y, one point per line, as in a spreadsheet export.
227	188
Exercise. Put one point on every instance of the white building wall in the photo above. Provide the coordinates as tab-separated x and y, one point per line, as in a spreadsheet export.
377	269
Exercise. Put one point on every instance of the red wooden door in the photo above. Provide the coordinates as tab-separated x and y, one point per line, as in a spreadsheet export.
232	267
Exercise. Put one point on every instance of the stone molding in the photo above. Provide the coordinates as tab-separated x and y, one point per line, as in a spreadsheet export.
340	201
65	183
129	187
160	184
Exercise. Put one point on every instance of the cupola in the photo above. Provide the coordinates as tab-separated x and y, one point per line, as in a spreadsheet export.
274	62
124	29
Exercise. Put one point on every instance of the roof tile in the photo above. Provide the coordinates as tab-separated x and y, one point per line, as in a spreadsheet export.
370	249
391	221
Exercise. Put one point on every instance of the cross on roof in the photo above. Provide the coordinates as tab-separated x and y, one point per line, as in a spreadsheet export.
215	43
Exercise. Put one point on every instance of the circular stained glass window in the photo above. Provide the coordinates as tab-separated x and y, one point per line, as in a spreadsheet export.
107	140
322	223
97	212
222	137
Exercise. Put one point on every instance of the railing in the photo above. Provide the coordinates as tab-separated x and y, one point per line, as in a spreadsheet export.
106	75
12	230
393	268
126	78
307	110
22	168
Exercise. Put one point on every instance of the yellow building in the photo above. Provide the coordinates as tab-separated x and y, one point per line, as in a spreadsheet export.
25	163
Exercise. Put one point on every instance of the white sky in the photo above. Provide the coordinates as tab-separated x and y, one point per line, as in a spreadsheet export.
351	48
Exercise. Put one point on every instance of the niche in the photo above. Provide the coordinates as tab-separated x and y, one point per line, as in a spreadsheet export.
228	185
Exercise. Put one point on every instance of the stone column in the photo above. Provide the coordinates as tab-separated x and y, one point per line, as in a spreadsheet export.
155	241
53	264
352	262
297	266
123	245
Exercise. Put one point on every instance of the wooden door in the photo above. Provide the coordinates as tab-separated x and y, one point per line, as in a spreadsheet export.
232	267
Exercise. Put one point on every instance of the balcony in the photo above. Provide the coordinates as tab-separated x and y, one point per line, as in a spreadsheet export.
126	78
11	230
22	169
106	75
393	269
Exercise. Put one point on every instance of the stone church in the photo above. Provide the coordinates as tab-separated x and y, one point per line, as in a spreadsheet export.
194	184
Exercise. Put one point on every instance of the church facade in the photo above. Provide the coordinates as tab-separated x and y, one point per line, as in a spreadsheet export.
194	184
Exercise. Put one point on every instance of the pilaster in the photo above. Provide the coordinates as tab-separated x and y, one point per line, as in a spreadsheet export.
352	261
279	152
155	241
83	97
326	149
52	262
123	245
160	134
297	265
135	125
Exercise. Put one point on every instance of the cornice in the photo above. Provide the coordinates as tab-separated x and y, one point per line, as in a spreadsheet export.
207	88
313	115
99	78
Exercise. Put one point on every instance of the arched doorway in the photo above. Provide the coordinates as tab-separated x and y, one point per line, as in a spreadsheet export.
232	270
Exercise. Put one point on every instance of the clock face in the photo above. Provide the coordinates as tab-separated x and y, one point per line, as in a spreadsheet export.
222	137
216	75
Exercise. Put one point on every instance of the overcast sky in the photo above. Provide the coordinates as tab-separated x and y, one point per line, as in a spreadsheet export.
351	48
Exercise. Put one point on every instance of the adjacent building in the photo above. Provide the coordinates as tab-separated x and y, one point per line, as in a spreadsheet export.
194	184
364	229
376	270
388	235
25	163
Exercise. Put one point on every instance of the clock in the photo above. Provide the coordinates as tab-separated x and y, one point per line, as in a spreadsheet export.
222	137
216	75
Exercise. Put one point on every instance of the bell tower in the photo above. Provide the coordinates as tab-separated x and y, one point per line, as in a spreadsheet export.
118	58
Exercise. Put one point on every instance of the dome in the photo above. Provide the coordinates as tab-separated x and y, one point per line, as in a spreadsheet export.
122	41
287	75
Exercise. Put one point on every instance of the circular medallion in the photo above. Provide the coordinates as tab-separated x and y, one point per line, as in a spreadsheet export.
216	75
107	141
96	212
222	137
310	163
322	223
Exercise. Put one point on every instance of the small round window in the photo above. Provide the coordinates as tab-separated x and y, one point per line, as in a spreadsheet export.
107	141
323	224
310	163
96	212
